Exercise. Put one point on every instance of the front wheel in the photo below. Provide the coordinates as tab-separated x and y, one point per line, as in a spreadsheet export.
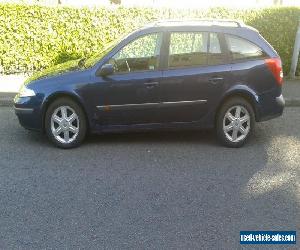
235	122
65	123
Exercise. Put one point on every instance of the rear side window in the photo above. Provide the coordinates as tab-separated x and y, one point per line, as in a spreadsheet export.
240	48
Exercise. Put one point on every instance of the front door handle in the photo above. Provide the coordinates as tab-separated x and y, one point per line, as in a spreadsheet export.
216	80
151	84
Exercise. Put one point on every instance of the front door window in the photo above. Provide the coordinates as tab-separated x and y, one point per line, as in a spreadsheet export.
141	54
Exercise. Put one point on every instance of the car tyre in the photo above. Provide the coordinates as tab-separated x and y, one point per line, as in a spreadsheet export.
65	123
235	122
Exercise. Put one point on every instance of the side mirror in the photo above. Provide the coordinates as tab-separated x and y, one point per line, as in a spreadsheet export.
105	70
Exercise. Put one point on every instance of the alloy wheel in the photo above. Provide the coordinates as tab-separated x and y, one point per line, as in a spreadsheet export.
236	123
65	124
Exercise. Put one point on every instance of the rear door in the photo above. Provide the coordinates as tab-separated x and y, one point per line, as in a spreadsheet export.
195	75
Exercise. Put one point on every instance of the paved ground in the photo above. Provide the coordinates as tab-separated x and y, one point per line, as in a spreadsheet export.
177	190
291	89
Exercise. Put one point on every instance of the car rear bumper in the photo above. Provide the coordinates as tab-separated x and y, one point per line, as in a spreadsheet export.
280	100
269	107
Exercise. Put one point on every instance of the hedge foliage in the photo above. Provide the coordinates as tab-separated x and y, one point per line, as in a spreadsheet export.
36	37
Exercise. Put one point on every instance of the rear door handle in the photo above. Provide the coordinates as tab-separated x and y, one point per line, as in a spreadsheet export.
151	84
216	80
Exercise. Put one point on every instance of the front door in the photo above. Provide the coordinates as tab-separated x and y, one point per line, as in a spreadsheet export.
131	94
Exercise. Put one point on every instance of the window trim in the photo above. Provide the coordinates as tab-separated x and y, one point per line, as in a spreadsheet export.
132	40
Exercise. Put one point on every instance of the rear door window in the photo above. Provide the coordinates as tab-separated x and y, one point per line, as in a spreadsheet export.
240	48
191	49
215	54
188	49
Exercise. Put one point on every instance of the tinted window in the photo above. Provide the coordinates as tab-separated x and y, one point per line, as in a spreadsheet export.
139	55
240	48
188	49
215	54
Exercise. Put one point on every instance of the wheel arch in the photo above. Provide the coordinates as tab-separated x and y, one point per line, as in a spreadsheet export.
247	94
51	98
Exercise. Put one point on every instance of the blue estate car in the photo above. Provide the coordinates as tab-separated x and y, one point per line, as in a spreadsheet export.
170	74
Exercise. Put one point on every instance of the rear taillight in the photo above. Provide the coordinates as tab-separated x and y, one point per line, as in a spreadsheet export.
274	65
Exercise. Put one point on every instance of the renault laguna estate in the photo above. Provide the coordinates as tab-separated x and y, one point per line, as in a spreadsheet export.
171	74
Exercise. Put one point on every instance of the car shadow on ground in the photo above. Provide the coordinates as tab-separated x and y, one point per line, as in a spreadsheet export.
187	136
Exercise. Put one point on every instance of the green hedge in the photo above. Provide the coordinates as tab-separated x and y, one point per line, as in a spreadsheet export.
36	37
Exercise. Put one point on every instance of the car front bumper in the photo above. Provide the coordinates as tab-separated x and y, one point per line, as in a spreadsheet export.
28	112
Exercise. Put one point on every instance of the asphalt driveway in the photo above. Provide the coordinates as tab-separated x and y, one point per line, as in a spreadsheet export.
156	190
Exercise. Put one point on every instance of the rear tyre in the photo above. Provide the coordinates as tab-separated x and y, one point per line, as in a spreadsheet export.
65	123
235	122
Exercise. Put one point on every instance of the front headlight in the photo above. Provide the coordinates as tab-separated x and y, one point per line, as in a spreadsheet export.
26	92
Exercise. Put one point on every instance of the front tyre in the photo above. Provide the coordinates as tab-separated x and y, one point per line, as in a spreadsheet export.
235	122
65	123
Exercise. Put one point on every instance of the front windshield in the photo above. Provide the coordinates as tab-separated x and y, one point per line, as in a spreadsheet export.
91	61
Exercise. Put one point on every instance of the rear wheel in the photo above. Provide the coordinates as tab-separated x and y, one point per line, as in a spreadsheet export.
65	123
235	122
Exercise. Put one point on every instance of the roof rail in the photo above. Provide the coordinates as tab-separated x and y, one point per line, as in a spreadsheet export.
209	20
238	23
